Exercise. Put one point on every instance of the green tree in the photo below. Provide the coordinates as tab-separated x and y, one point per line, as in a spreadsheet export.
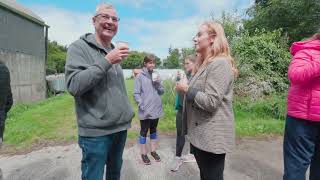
231	23
176	57
172	61
158	62
135	60
262	2
297	18
56	58
186	52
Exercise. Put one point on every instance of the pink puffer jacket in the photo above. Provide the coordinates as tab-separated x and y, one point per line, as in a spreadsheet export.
304	76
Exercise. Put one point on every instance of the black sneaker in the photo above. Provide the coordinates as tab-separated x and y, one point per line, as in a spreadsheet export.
155	156
145	159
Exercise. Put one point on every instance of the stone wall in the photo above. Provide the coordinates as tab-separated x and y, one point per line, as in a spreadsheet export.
27	76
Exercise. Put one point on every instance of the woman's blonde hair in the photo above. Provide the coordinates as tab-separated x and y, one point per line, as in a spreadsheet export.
316	35
220	45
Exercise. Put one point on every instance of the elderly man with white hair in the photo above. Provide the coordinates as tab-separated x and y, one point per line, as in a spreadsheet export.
95	78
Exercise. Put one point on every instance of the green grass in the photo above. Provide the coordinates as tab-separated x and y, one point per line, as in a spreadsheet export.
53	120
261	117
50	120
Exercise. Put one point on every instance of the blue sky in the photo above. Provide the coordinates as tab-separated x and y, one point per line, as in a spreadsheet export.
148	25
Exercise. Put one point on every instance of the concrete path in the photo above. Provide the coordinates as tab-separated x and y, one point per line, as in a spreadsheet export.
251	160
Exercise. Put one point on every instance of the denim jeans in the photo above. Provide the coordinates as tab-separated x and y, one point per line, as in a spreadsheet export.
301	149
98	152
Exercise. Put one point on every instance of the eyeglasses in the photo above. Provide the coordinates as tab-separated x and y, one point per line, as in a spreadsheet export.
106	17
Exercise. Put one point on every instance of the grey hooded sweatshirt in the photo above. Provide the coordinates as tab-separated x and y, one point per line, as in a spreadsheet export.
147	95
98	87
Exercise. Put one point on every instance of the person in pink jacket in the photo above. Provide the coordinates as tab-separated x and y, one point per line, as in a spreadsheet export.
301	145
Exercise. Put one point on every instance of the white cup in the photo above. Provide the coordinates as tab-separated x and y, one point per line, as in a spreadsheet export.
122	45
155	76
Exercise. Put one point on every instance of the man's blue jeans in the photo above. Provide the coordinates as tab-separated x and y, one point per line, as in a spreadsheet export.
100	151
301	149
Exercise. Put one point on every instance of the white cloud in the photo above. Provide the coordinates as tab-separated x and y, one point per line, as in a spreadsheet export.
134	3
65	26
215	7
152	36
158	36
145	4
207	6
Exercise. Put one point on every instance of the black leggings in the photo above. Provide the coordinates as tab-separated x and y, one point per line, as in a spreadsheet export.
180	141
211	165
147	124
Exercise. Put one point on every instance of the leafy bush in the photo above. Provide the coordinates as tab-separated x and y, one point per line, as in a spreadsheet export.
262	60
273	106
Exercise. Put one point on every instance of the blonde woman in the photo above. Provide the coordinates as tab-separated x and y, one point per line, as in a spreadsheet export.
207	110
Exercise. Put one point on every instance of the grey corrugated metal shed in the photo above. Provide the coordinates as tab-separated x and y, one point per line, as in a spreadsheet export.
13	6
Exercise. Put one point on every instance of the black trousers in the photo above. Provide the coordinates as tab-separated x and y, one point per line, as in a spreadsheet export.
180	141
147	124
211	165
3	116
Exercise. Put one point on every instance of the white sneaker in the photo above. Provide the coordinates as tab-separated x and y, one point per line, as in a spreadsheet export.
176	163
188	158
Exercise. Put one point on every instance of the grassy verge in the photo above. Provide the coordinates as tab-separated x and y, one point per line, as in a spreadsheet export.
260	117
53	120
50	120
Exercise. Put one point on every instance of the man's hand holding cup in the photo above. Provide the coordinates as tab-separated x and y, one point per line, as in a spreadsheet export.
119	53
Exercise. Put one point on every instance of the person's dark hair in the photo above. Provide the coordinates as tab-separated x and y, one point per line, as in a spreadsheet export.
149	58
